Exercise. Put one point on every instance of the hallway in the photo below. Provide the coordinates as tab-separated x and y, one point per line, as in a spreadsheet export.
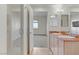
40	45
40	41
41	51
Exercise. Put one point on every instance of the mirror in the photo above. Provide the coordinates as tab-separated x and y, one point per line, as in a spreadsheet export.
64	21
54	21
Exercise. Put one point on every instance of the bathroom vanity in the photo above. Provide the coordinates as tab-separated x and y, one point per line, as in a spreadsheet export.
71	47
61	44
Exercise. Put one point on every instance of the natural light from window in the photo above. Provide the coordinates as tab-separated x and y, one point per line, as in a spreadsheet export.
35	24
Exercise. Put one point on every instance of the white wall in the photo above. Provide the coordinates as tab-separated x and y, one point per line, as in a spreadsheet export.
25	27
3	29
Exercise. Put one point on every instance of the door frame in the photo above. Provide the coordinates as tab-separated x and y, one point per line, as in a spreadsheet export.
27	43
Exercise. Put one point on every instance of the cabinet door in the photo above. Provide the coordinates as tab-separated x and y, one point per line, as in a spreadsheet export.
55	45
60	47
71	48
51	41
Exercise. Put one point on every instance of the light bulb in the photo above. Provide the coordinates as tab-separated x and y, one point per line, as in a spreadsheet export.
52	16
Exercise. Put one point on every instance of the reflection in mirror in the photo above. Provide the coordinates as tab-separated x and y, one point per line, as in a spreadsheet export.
74	17
64	21
54	20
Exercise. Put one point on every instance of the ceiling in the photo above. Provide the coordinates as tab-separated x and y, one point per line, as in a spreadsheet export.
14	7
40	14
54	8
45	7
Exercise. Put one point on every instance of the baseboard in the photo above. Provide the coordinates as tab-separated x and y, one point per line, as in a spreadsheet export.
31	51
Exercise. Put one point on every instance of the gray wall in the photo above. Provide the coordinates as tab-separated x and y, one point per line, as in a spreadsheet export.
40	40
42	19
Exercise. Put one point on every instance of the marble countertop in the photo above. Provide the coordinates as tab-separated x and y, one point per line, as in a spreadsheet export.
66	38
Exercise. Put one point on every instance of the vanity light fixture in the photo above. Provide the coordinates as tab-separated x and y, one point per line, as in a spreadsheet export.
53	16
59	10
